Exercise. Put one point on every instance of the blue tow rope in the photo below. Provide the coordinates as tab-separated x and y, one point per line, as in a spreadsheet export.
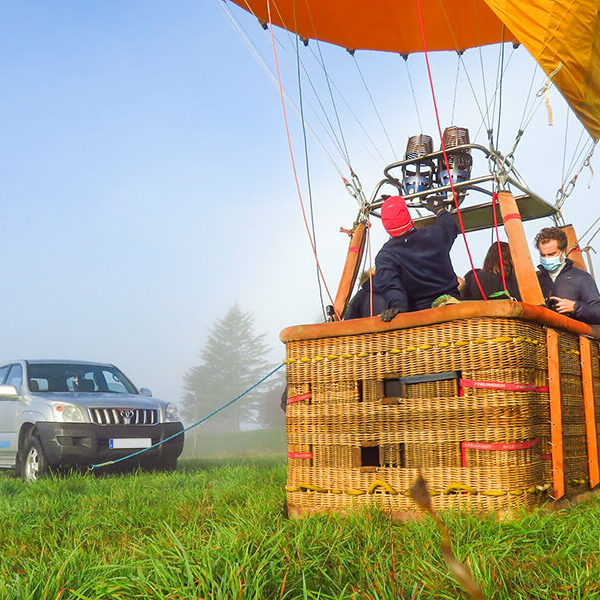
212	414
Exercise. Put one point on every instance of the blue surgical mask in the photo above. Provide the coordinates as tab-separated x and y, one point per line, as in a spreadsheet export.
551	263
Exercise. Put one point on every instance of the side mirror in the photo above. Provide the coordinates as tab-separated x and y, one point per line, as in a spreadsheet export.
143	392
8	391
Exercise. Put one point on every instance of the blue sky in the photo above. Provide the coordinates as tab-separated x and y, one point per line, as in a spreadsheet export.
146	182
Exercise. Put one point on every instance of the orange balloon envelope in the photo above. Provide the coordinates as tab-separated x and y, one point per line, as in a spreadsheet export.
563	36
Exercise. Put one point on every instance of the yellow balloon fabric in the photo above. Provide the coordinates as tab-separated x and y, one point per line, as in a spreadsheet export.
556	32
563	36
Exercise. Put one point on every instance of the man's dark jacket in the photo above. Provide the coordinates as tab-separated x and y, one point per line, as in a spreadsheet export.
414	269
360	305
573	284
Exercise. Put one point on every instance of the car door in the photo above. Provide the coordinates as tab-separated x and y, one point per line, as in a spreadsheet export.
11	375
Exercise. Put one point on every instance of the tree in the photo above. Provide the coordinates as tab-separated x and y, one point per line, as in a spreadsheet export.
233	359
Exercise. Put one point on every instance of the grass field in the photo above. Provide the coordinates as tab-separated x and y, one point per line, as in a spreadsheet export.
218	529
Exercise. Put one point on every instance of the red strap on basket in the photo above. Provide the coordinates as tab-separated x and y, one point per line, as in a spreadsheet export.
300	455
299	398
503	385
546	456
500	446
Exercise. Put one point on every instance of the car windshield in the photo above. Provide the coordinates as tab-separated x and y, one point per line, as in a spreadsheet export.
78	378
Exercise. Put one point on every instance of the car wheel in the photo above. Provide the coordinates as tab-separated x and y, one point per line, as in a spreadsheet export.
34	464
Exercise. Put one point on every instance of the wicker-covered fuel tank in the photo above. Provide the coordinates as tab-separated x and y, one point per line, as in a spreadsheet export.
466	401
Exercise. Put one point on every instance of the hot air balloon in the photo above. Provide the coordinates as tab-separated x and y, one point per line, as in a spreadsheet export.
496	403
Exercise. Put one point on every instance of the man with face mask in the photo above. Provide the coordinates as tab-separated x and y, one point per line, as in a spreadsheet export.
567	289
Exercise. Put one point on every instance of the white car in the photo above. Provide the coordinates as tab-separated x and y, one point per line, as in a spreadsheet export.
58	413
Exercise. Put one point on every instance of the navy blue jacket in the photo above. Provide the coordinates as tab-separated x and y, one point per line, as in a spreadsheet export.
573	284
414	269
360	305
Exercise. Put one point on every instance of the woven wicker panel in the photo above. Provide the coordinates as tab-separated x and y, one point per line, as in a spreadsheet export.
433	389
336	456
297	389
299	462
596	377
573	411
394	455
427	455
545	448
507	503
458	345
336	392
573	414
538	377
576	476
498	417
503	459
372	390
570	385
357	438
568	344
514	487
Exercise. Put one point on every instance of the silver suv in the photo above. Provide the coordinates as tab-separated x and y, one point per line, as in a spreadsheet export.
58	413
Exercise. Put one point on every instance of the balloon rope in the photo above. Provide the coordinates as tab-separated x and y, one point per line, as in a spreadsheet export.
437	116
289	140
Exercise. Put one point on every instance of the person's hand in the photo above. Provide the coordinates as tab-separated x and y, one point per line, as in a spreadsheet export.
563	306
389	313
435	205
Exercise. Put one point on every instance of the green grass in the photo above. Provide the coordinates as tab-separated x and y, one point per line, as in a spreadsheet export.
218	529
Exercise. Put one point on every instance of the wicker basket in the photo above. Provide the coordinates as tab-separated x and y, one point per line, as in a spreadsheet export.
366	412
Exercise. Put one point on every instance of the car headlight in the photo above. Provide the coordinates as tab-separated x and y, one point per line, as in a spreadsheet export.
171	413
67	413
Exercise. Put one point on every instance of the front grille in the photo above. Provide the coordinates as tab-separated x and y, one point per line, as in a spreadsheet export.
124	416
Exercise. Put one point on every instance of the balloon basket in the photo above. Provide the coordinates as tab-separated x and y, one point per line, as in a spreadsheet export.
496	404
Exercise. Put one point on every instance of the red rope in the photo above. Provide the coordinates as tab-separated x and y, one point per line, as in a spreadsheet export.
494	202
437	116
289	140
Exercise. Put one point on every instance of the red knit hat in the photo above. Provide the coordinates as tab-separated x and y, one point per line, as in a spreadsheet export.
395	216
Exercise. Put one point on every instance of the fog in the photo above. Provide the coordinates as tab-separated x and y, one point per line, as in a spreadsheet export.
147	186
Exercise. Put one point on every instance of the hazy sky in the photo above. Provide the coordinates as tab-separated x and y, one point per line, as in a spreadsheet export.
146	181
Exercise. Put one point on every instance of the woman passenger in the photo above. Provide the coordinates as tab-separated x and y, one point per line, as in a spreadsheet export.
490	277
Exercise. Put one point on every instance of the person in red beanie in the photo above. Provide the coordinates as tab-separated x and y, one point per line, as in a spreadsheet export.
413	268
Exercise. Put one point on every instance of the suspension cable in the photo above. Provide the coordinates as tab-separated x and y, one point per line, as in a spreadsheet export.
267	70
335	110
292	158
412	89
308	178
374	105
331	132
499	82
528	95
564	156
455	88
580	240
437	116
487	119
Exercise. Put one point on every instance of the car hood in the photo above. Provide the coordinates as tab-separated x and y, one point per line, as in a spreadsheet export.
101	400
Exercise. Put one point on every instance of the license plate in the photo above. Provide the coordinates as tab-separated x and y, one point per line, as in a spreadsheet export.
120	443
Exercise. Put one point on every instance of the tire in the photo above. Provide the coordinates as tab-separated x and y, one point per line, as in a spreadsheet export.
34	463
